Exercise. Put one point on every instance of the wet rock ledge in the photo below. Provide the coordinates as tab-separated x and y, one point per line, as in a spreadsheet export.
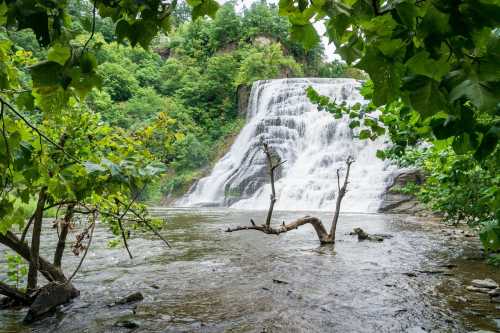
396	202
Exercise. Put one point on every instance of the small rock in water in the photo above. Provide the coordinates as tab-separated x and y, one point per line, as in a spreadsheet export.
135	297
362	235
127	324
279	281
462	299
486	283
478	290
155	286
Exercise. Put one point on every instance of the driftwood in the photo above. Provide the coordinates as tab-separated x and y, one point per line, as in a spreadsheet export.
324	236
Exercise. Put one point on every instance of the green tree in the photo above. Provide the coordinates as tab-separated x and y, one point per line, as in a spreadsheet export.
266	62
118	81
54	151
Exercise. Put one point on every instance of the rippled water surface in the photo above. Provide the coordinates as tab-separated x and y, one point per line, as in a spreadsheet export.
212	281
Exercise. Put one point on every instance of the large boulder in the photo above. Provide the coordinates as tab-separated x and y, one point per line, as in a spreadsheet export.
394	201
49	298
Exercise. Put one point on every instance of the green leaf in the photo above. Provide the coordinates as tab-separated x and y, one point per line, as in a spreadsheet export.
47	74
444	128
122	29
205	7
38	21
365	134
461	144
493	46
435	22
352	50
25	100
88	63
336	28
354	124
380	26
422	64
407	12
425	96
142	32
305	34
59	53
483	95
490	236
381	154
488	143
391	47
385	74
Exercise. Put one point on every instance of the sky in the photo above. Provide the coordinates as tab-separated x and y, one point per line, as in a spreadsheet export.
320	27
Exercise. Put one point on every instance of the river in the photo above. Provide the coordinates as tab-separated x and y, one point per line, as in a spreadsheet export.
212	281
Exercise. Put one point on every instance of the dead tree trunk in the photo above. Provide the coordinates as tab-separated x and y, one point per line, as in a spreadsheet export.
340	196
35	241
323	236
272	167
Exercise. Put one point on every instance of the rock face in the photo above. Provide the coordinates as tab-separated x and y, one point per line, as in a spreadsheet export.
393	201
243	92
48	298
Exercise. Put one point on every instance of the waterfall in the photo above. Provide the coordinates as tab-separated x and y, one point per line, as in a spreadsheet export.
314	145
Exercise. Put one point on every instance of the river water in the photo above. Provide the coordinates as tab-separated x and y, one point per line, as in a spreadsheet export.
212	281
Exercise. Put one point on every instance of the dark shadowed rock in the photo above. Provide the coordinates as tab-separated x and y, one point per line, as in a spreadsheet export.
243	92
48	298
130	324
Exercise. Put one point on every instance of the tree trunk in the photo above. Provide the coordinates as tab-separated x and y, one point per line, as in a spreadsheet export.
14	294
61	244
35	241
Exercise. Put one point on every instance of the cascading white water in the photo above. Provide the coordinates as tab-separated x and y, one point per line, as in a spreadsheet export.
314	145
